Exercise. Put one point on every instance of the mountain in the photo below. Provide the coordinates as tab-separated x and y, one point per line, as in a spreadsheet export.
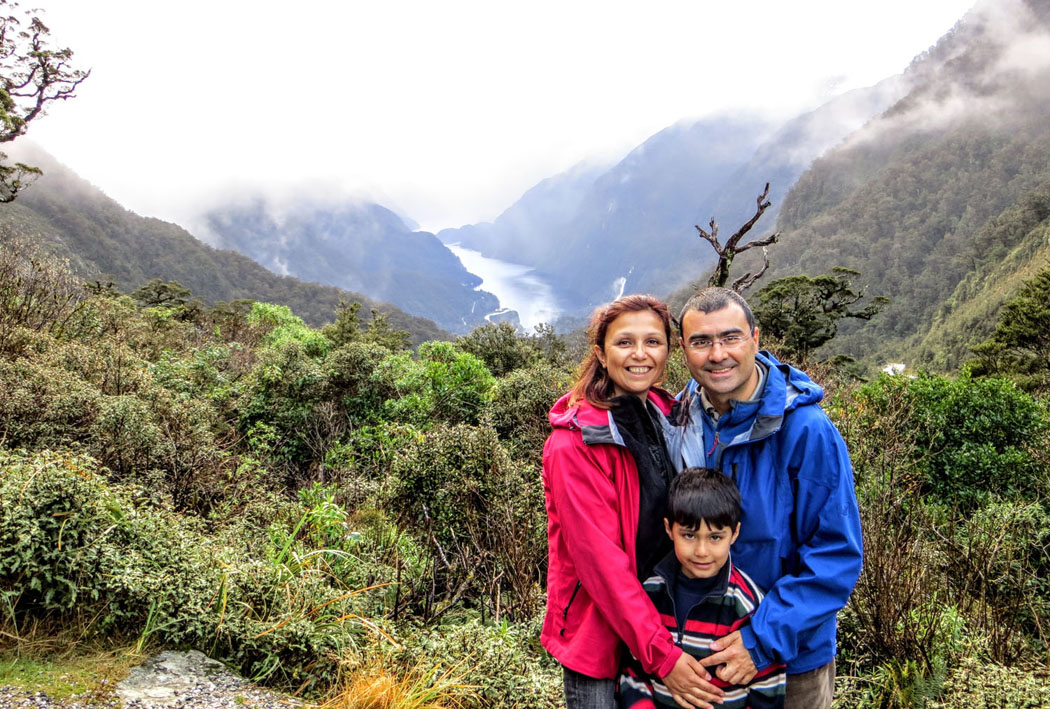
521	233
596	233
942	200
790	151
593	236
104	241
358	246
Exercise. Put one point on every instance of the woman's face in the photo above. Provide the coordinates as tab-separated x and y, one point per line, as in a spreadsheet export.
635	352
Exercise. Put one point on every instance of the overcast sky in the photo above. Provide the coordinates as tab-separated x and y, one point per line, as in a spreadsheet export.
444	111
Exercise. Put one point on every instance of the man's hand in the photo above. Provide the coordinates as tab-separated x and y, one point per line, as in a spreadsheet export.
738	667
689	685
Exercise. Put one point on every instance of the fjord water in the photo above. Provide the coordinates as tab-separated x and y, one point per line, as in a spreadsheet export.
517	286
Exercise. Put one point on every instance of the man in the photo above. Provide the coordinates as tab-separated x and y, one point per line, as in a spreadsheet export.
759	422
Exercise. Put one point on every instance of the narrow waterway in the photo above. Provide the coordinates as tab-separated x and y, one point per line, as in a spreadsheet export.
517	287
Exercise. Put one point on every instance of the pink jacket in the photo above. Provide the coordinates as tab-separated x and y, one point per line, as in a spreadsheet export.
594	597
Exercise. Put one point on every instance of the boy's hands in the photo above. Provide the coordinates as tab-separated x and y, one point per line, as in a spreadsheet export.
688	682
738	667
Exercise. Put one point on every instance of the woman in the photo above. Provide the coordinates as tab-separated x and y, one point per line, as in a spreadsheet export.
605	476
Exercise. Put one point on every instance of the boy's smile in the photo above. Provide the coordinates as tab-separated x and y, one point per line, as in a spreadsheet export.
701	552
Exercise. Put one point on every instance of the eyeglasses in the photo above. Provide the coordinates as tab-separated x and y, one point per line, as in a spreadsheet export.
728	342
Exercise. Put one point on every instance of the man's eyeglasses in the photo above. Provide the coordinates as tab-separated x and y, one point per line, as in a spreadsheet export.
728	342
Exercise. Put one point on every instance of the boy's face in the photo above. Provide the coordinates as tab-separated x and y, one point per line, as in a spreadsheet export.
702	552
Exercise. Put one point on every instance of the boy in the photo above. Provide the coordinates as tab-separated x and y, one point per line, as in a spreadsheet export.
701	596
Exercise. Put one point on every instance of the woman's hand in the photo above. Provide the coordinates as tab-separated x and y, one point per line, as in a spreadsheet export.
689	685
738	667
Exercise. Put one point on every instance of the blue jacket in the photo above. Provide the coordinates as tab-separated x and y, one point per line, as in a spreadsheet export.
800	533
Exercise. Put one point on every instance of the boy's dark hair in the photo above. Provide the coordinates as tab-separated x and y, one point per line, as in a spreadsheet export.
703	495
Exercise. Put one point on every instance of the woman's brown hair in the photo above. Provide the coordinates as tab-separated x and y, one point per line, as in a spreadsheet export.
593	383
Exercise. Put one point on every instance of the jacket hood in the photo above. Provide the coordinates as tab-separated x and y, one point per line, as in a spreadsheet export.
582	414
785	389
798	389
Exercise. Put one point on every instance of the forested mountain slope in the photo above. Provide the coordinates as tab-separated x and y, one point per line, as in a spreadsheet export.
594	233
928	197
359	246
106	242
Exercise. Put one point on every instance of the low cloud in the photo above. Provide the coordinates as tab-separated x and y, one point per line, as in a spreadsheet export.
997	59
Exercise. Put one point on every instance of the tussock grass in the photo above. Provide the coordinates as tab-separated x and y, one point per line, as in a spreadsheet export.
372	685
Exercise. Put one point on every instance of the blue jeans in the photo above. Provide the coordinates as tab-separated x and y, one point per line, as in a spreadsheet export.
583	692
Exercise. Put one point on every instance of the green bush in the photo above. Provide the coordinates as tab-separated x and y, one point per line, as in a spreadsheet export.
997	564
70	543
43	405
444	384
984	685
74	547
504	661
519	405
285	327
282	394
482	512
968	437
500	347
349	373
361	463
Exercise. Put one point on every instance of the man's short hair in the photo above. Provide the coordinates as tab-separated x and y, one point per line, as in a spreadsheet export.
713	299
703	495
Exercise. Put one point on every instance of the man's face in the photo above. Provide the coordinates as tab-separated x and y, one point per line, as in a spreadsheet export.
724	372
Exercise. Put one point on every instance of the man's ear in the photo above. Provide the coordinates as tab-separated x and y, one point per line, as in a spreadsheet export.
667	526
736	533
756	337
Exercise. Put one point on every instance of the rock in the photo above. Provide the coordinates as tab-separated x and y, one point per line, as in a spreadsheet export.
192	679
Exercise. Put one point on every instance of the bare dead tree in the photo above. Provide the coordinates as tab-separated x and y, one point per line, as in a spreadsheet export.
726	253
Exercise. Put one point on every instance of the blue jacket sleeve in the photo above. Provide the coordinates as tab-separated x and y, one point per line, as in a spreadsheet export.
827	538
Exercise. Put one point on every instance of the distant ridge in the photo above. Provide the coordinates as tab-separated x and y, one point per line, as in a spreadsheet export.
359	246
105	241
943	200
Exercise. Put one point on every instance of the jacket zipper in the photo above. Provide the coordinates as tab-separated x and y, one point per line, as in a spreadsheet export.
565	611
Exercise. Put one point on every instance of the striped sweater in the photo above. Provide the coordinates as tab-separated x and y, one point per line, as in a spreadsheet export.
726	609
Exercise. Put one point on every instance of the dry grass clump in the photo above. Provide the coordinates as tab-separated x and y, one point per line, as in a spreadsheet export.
373	685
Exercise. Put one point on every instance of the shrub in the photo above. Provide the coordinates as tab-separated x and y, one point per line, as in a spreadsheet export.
72	545
500	347
445	384
968	437
997	565
503	661
350	381
481	512
361	463
519	405
282	393
43	405
73	548
982	685
37	292
283	327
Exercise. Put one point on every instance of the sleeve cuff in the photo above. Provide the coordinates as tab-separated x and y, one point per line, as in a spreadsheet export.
669	662
761	659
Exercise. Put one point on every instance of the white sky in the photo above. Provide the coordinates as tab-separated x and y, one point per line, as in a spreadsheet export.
444	111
